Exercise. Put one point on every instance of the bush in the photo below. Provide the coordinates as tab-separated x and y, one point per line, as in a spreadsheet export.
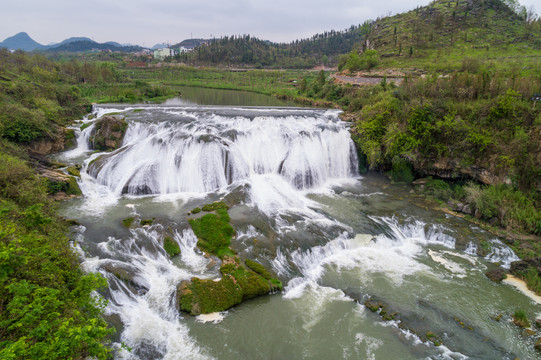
22	125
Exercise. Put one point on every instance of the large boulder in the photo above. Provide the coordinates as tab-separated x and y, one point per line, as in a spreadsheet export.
496	275
108	133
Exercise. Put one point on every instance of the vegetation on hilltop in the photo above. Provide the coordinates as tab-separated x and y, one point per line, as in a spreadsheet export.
245	50
438	37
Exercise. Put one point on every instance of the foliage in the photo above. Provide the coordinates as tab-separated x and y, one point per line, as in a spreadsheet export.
48	306
514	209
301	54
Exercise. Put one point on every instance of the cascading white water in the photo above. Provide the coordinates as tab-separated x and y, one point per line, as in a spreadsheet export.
284	162
194	150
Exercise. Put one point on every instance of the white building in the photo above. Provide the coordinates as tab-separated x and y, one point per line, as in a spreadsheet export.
161	54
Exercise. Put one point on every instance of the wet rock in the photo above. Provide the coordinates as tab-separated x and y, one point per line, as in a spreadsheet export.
108	133
538	345
372	305
496	275
238	283
518	267
127	275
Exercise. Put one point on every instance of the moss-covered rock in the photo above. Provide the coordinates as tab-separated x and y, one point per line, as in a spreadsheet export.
236	285
69	138
214	232
218	205
145	222
200	296
171	247
74	171
108	133
127	222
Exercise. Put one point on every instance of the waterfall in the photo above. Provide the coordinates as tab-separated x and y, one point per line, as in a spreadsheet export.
195	150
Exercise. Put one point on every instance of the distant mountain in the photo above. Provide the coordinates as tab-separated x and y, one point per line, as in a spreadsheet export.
114	43
85	45
191	43
21	41
158	46
70	40
24	42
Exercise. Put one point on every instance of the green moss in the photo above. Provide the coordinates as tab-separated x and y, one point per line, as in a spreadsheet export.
127	222
74	171
218	205
196	210
69	186
85	125
258	268
214	232
171	247
147	222
73	187
208	296
276	284
137	110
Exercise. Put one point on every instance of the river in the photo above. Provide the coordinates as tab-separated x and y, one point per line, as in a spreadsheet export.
334	238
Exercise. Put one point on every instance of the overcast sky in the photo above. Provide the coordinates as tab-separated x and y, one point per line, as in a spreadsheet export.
148	22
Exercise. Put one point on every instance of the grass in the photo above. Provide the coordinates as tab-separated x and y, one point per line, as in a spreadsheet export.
521	319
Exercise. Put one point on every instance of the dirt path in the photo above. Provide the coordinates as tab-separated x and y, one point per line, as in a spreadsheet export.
362	81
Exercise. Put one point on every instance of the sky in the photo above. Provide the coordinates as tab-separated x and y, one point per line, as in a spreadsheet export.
150	22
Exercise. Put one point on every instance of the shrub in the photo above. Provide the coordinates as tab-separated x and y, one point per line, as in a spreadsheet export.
22	125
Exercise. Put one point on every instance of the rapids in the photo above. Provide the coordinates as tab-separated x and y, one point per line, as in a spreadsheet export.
333	237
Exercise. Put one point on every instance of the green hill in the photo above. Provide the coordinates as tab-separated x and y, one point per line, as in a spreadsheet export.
444	33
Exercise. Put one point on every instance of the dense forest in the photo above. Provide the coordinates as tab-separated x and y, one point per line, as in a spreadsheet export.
321	49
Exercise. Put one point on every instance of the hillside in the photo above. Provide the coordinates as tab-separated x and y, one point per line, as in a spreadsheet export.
321	49
441	35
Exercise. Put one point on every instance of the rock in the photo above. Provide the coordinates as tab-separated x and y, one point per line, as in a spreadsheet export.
477	214
459	207
128	275
108	133
372	305
467	209
496	275
518	267
51	144
204	296
537	323
538	345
